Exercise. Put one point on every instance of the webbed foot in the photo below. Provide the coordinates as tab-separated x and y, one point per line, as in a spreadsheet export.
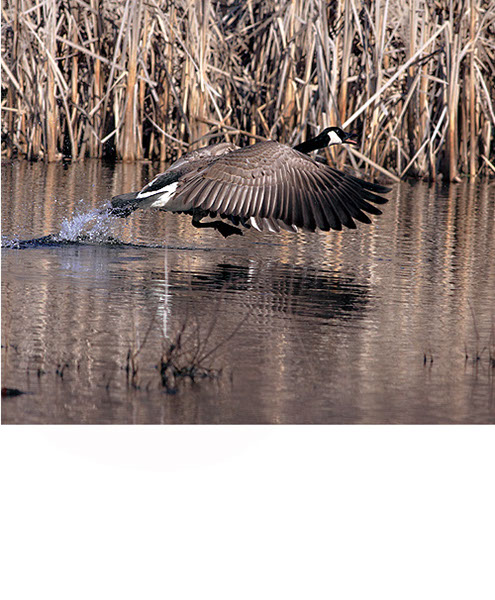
225	229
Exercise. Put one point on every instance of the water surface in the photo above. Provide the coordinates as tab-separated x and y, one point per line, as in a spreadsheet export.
391	323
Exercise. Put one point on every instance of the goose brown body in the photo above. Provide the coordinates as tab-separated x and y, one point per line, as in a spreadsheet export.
268	186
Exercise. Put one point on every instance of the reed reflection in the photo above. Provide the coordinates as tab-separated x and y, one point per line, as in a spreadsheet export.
334	328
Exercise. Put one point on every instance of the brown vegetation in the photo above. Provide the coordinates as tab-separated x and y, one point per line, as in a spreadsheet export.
147	78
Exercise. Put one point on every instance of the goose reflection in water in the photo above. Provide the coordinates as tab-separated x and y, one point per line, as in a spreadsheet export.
276	288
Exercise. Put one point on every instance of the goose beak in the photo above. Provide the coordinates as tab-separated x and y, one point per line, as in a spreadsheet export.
351	139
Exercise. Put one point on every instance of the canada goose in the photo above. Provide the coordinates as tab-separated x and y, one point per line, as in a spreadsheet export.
268	186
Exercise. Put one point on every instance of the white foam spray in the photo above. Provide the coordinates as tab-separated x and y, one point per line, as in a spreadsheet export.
77	226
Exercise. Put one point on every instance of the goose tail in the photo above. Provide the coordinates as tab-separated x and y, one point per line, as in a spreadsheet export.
124	205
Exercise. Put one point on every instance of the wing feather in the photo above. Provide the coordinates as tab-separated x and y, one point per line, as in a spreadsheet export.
275	183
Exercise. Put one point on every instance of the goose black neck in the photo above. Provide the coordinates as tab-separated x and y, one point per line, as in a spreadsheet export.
316	143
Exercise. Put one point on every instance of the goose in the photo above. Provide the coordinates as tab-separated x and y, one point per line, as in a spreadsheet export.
268	186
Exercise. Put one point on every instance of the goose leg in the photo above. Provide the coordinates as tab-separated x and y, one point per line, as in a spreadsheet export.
224	228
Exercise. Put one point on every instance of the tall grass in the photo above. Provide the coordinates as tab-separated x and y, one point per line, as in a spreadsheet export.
147	78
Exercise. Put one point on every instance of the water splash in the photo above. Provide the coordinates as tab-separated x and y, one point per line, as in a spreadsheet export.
84	227
13	243
75	228
93	226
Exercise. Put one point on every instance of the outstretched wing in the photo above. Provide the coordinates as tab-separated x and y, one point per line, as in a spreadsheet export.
275	182
184	163
162	187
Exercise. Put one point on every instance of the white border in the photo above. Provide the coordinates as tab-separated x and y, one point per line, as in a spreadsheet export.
232	512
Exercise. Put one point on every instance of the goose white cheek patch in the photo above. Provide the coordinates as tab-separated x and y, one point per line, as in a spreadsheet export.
334	138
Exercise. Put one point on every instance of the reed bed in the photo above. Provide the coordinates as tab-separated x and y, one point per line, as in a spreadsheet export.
147	79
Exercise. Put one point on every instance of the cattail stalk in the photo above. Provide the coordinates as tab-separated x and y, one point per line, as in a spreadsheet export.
472	92
50	10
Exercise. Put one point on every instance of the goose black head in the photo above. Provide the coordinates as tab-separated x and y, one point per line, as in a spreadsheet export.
336	135
328	137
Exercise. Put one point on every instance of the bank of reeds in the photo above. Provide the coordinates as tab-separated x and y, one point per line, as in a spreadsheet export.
147	78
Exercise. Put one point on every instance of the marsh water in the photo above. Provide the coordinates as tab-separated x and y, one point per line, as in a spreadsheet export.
391	323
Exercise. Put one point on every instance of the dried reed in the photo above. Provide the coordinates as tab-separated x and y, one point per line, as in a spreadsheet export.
135	79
